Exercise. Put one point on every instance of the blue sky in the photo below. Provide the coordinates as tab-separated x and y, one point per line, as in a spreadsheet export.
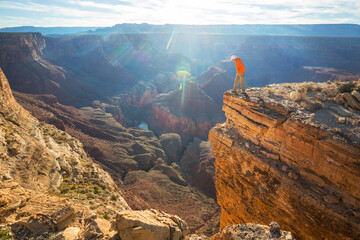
110	12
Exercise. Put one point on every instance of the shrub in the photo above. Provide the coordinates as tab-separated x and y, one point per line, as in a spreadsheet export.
318	105
106	216
310	86
89	196
113	198
4	234
63	191
96	190
346	87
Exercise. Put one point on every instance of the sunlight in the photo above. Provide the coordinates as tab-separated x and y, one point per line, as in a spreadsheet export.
183	75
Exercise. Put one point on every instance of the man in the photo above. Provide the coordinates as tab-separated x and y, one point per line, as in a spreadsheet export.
240	68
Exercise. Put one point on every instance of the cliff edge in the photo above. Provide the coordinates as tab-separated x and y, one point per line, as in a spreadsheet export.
291	155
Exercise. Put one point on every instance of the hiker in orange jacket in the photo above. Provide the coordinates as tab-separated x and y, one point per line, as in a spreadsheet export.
240	68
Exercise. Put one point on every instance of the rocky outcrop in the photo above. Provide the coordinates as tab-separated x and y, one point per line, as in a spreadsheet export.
149	225
179	112
214	82
171	142
275	160
34	215
30	214
38	155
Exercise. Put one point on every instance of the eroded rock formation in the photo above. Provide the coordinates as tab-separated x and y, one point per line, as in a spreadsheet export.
134	157
188	112
276	161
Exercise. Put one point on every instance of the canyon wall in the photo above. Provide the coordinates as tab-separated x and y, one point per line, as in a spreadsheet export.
274	164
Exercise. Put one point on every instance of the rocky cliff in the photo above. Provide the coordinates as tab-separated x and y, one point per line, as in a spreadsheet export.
50	188
281	160
21	58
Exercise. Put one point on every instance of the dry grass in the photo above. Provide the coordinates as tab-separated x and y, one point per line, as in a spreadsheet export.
310	86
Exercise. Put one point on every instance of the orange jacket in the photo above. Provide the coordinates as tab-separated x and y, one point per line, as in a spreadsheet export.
240	67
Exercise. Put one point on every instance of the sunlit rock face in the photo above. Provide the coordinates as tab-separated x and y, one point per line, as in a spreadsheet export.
188	112
275	163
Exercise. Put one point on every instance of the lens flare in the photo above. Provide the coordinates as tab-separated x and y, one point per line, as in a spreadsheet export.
183	74
183	71
170	39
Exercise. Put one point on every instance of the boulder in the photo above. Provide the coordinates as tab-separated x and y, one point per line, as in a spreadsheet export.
339	99
97	228
356	95
348	99
149	225
298	95
172	146
70	233
351	101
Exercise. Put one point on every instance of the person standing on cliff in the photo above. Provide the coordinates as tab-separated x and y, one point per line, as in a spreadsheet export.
240	69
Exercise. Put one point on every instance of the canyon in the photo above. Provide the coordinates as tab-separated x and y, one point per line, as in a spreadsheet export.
118	126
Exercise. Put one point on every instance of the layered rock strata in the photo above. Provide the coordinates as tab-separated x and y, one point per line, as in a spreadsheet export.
276	162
